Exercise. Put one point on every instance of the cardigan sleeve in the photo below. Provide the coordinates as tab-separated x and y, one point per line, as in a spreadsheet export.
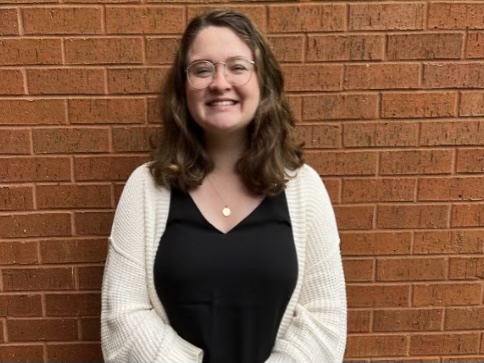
131	329
317	330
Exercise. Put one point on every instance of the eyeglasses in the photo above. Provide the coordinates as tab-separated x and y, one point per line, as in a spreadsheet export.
237	72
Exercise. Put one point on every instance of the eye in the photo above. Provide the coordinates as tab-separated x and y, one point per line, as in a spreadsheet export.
238	66
201	70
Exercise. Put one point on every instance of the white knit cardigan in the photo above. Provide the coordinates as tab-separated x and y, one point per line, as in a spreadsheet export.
134	325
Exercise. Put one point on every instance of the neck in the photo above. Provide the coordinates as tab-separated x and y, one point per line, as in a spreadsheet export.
225	151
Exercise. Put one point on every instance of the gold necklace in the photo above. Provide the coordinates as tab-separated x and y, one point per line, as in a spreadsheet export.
226	212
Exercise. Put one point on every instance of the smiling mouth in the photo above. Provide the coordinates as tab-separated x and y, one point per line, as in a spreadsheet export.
222	103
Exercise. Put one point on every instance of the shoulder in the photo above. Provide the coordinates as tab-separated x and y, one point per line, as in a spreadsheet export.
140	183
306	178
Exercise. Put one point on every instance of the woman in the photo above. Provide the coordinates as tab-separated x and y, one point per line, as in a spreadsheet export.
225	247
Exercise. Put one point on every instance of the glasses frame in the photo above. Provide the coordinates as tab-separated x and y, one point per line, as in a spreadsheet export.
215	71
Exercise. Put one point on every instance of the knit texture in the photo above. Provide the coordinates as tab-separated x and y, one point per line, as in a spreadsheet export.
134	325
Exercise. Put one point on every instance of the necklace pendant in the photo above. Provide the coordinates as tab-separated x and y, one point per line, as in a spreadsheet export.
226	212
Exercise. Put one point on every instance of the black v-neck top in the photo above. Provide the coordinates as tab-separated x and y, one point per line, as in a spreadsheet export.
227	293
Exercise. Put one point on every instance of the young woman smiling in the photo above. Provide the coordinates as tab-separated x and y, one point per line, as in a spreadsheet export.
224	248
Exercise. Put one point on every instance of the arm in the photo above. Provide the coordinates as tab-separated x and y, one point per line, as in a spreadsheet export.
317	330
131	330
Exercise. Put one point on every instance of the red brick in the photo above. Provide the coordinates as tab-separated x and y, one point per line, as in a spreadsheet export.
154	110
20	305
384	134
358	270
287	48
14	141
90	277
30	51
28	112
381	76
11	81
408	320
368	296
90	329
333	187
452	133
106	168
406	16
340	107
42	330
413	216
354	217
306	18
73	196
34	169
466	268
107	110
413	162
136	80
16	198
145	19
419	105
318	136
344	47
104	50
38	279
448	15
447	189
103	1
424	46
74	352
467	215
448	242
9	21
453	343
376	346
453	75
161	50
472	104
18	253
378	190
73	251
470	161
93	223
359	321
70	140
475	45
257	13
65	81
22	353
295	105
375	243
466	358
312	77
447	294
35	225
132	139
73	304
464	318
411	269
62	20
343	163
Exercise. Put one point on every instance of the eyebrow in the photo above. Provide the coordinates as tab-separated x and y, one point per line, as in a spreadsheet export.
226	60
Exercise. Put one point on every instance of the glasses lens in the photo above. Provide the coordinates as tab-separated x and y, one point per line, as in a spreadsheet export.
200	74
238	71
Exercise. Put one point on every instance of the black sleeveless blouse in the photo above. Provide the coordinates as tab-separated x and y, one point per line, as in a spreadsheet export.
227	293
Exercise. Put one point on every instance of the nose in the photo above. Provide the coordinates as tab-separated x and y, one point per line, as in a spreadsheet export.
219	80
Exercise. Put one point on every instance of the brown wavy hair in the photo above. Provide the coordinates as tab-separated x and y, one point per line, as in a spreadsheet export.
180	159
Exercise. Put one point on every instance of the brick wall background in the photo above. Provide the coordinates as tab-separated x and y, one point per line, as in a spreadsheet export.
390	101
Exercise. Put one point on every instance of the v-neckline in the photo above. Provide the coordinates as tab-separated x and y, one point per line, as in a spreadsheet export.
242	221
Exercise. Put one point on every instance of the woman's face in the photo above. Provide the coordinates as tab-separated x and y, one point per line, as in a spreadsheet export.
221	107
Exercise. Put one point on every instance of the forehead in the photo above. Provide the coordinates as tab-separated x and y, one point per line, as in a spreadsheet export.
217	44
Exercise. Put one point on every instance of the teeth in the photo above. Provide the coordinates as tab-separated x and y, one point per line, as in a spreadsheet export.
222	103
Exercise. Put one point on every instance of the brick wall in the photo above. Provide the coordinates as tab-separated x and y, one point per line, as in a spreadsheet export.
389	96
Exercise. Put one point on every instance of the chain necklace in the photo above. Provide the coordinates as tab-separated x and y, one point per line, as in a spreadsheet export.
226	212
